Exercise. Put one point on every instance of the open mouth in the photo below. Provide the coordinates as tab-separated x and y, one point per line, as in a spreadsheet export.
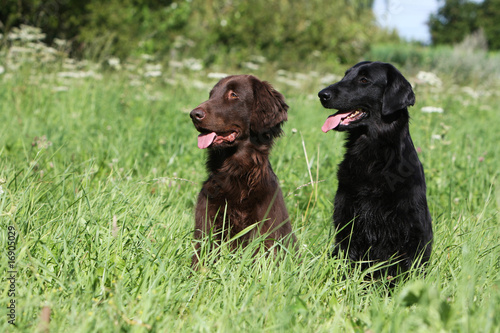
207	139
343	119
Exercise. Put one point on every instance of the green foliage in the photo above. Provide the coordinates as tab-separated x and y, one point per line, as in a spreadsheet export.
57	18
281	30
457	19
453	21
490	22
218	31
123	28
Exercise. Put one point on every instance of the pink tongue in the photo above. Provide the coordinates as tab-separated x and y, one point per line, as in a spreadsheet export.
332	122
205	140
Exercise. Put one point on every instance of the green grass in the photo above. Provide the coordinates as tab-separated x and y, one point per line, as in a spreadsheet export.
103	150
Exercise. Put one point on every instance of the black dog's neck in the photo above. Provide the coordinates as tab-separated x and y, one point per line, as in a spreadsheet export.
388	134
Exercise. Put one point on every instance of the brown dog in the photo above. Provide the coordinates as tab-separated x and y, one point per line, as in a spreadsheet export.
238	125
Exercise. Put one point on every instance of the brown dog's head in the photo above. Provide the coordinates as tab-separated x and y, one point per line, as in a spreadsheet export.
240	107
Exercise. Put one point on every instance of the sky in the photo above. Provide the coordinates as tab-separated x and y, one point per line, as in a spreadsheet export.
407	17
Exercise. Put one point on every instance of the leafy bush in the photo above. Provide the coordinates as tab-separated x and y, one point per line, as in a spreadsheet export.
218	31
287	30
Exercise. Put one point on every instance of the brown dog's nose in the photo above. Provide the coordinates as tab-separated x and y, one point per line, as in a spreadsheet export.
197	114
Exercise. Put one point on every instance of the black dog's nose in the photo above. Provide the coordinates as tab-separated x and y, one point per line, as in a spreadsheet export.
324	95
197	114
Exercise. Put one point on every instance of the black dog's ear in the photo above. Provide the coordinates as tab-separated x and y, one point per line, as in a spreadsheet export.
270	109
398	92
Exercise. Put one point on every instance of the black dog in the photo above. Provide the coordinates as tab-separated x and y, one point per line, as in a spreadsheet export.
381	211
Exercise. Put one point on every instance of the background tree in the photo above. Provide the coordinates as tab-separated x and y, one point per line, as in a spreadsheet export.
456	19
286	31
489	20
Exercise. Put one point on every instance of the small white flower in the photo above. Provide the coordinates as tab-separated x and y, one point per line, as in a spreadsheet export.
77	75
251	66
330	79
193	64
147	57
1	190
2	70
153	67
432	109
114	63
223	23
60	89
153	74
429	78
216	75
258	59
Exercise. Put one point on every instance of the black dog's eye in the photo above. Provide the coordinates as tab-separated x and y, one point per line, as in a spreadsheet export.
232	95
363	80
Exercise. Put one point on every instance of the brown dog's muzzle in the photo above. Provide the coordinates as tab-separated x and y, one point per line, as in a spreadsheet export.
197	115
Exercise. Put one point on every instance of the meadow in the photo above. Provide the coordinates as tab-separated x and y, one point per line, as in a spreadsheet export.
99	173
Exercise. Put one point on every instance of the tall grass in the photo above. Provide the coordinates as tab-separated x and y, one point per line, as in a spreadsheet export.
101	176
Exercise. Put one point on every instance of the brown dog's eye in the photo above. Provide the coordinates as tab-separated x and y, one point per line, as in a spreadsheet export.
232	95
363	80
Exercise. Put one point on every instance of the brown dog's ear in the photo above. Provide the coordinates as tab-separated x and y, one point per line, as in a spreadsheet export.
270	109
398	92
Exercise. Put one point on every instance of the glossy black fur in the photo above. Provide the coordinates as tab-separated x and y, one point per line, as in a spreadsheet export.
380	210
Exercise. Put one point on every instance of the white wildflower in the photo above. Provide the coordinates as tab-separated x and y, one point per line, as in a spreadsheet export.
432	109
198	84
26	33
114	63
2	70
436	137
330	79
193	64
471	92
147	57
429	78
60	42
153	67
258	59
60	89
223	23
289	82
20	50
282	72
153	74
135	83
302	76
175	64
216	75
251	66
76	75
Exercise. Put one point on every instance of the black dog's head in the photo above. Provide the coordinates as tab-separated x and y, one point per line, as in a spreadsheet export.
240	107
370	92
